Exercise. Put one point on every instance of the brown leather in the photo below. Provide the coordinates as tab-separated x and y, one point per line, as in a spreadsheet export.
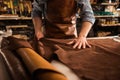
13	62
45	75
100	62
4	75
38	66
12	43
36	44
15	68
25	64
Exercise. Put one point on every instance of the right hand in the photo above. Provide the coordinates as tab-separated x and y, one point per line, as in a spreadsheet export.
39	35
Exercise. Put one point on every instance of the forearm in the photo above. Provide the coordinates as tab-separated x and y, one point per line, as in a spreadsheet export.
86	26
87	17
37	21
81	41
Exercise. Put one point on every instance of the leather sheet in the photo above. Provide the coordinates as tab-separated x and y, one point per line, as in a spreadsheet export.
100	62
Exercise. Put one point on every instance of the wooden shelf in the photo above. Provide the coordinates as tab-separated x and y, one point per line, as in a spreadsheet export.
16	26
104	25
104	16
15	18
110	4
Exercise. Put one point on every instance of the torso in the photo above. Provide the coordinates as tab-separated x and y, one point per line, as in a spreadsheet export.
60	9
59	16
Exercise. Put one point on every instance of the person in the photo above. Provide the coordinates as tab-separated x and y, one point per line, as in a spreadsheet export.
57	19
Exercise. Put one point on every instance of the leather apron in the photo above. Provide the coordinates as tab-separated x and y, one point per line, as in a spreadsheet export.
60	19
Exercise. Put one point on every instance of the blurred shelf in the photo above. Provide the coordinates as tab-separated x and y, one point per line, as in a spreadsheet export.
109	4
16	26
104	16
14	18
104	25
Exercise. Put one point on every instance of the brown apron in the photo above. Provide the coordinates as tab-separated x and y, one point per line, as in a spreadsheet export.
60	19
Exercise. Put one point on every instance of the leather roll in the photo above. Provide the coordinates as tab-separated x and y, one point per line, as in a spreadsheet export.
4	75
15	66
21	55
38	66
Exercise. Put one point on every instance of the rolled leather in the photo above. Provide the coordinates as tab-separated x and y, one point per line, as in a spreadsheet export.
15	67
4	75
37	66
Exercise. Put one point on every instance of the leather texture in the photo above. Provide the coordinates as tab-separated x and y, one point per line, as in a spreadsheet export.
4	75
13	62
38	66
100	62
23	63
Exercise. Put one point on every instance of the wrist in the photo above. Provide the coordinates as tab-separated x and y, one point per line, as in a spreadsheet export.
82	36
38	30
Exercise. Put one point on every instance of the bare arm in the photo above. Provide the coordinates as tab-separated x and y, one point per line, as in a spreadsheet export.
81	42
86	26
37	21
88	20
37	17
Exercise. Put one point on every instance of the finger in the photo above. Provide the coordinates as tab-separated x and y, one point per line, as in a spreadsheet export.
71	42
88	44
84	45
80	45
38	39
40	43
76	44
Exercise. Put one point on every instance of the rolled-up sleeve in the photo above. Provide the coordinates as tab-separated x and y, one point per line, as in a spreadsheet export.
86	12
36	8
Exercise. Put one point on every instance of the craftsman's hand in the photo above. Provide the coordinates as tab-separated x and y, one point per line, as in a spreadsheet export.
39	35
79	43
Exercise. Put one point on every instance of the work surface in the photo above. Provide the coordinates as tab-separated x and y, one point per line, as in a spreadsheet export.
101	62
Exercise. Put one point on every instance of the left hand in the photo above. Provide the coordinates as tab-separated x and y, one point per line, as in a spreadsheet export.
80	42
